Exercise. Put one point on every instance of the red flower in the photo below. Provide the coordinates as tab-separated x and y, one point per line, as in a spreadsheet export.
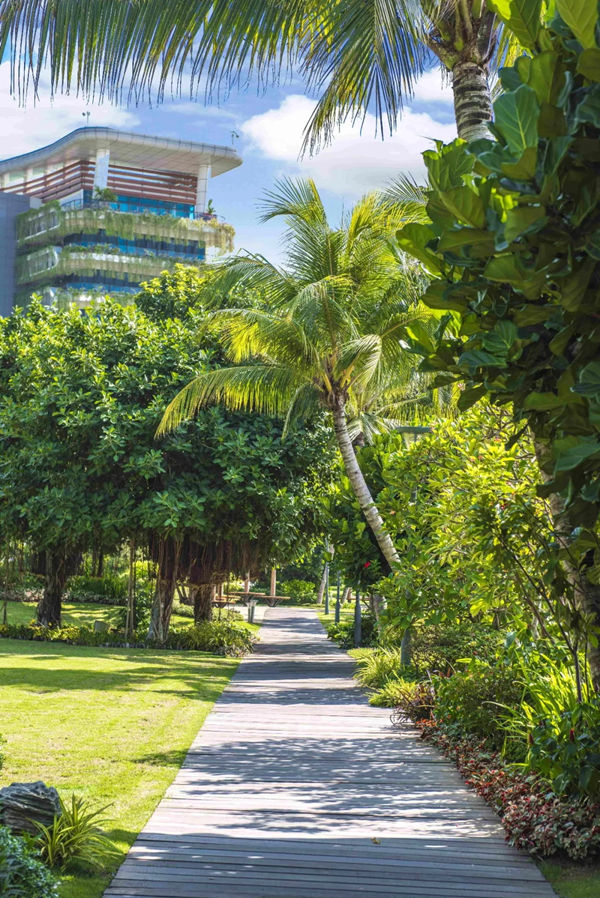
367	564
572	735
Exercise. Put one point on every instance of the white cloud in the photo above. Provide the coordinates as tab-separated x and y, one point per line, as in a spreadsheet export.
45	120
433	87
355	162
199	111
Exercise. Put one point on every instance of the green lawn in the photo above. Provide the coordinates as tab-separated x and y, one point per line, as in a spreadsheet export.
573	880
80	613
112	725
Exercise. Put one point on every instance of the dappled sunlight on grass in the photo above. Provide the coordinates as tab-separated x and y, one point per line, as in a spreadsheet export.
110	724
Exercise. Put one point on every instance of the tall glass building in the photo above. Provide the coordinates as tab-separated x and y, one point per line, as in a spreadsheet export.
105	210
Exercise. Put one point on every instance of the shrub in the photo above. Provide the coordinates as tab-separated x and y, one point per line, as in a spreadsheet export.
22	875
75	839
436	649
225	637
183	610
394	694
414	701
106	590
343	633
535	819
469	702
561	734
299	590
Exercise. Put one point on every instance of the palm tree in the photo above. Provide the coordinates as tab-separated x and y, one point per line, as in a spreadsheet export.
356	55
336	315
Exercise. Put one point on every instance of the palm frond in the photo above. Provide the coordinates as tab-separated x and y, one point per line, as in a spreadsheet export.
304	404
267	389
367	55
408	197
357	361
252	333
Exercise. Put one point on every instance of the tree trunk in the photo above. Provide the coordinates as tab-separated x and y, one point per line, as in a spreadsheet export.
203	596
130	622
359	485
322	585
50	605
164	592
273	591
472	100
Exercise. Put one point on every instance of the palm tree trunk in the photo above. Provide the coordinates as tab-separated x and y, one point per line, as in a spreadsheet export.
472	100
359	484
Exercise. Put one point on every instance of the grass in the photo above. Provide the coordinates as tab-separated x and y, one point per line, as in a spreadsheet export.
571	879
75	613
112	725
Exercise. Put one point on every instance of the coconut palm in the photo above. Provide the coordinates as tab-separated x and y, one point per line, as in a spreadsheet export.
356	55
336	315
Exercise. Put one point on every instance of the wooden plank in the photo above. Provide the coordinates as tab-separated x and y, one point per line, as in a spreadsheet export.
296	787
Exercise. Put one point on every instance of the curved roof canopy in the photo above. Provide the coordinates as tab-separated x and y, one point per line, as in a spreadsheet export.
128	149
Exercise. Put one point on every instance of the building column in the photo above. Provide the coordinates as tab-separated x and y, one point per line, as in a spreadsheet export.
101	169
204	173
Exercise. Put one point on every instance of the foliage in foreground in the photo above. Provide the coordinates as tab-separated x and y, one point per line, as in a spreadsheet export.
535	819
513	248
75	839
22	874
223	637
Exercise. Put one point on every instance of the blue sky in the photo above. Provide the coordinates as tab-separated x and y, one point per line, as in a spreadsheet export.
270	135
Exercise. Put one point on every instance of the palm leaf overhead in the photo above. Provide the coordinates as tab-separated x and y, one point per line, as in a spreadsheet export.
357	56
332	338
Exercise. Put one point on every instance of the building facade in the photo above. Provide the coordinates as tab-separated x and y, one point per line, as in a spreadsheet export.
105	210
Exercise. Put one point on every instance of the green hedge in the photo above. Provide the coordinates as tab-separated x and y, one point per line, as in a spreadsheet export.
22	874
224	637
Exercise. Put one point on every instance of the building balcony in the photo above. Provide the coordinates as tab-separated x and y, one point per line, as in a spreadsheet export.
50	265
50	224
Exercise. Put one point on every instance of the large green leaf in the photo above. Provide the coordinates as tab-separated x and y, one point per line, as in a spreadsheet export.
545	73
521	219
588	64
522	18
414	239
453	240
570	452
589	380
465	204
541	402
581	17
516	116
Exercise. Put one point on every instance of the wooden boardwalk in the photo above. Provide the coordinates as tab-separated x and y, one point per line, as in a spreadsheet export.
296	787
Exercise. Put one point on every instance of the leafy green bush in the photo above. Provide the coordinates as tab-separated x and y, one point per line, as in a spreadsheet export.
436	649
225	637
413	701
299	590
22	875
183	610
560	733
343	633
566	750
106	590
75	840
378	667
472	702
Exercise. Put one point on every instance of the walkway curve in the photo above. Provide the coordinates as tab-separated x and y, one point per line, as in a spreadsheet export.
295	787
